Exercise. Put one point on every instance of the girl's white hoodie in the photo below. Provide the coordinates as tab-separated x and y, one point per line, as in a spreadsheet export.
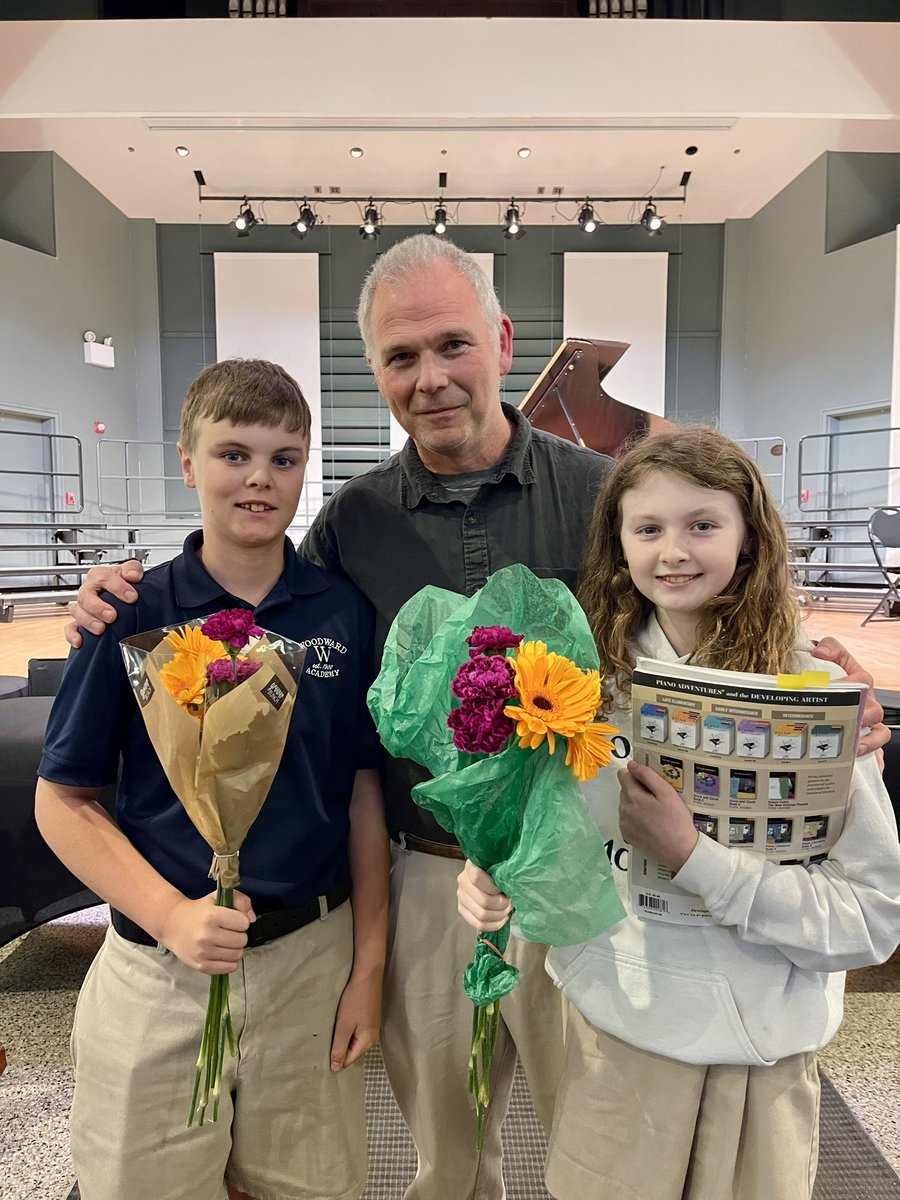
767	980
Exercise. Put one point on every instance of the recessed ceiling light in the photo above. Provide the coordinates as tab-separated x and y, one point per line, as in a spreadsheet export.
524	151
182	151
356	152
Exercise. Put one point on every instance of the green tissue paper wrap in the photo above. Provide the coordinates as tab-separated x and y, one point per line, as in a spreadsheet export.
519	814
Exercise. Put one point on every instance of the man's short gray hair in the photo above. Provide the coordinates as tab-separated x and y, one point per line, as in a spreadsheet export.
415	254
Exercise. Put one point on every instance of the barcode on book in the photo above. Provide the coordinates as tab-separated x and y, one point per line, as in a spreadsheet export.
656	903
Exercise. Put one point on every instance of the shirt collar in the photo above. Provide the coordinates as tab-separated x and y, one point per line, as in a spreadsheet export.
418	483
195	587
653	643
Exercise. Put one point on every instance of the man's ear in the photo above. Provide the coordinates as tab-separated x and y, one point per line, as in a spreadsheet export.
506	345
187	467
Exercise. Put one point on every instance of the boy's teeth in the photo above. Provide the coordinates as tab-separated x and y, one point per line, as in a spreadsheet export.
256	507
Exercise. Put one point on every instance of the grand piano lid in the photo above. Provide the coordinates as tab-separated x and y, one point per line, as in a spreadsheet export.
568	399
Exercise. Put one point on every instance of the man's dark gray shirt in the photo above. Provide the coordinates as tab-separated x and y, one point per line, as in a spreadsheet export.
396	529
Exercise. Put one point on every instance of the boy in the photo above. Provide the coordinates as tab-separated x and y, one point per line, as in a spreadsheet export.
306	966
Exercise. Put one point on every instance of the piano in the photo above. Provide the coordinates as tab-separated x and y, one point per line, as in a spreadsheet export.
568	399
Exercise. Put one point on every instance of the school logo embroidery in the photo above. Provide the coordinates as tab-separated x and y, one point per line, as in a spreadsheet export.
275	692
325	660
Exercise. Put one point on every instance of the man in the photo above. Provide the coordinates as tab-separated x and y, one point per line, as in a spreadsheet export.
474	489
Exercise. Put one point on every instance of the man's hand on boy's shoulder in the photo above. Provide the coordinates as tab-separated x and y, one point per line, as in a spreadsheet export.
207	936
94	614
358	1019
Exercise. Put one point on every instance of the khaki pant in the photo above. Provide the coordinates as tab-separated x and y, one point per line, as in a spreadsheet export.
427	1033
631	1125
288	1129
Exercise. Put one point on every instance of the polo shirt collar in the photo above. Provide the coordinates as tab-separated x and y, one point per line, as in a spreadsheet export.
196	588
418	483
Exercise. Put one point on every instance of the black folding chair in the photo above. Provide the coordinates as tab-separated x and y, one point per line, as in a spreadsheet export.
884	534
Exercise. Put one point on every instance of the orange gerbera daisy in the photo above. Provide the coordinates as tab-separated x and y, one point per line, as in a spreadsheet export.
190	639
589	751
184	678
555	696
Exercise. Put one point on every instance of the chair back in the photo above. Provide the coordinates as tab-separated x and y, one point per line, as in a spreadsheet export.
884	524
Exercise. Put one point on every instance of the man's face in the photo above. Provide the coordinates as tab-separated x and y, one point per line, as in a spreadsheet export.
438	365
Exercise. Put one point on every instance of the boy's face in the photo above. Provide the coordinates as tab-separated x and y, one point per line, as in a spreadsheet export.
248	480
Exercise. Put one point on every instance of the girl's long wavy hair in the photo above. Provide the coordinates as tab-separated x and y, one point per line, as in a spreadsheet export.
753	624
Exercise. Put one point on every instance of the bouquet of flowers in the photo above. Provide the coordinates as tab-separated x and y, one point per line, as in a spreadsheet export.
502	782
216	696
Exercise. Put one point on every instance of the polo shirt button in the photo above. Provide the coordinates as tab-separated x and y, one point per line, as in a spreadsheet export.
472	520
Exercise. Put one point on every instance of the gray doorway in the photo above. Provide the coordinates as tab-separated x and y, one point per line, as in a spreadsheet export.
859	458
26	493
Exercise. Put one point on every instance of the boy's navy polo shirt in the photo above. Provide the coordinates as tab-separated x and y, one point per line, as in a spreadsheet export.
297	847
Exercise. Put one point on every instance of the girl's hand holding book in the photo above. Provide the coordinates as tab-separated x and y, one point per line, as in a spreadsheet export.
653	817
207	936
479	901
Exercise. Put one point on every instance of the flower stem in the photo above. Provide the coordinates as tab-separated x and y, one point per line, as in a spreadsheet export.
217	1030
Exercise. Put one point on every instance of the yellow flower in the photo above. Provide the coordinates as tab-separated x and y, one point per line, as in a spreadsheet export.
555	696
184	678
589	751
190	640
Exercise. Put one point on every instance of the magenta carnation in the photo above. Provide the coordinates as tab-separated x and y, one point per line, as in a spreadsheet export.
219	671
244	669
480	728
233	626
479	680
492	639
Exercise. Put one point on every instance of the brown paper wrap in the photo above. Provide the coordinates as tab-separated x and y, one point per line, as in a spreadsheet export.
220	768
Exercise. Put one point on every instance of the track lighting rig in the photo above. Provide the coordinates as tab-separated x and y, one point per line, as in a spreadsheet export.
512	226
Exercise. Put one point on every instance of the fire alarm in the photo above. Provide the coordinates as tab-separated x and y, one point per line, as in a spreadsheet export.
99	427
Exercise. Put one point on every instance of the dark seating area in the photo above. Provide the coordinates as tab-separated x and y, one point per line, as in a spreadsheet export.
34	885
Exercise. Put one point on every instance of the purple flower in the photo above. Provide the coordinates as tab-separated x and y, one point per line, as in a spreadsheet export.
245	669
480	728
233	626
479	680
492	639
220	671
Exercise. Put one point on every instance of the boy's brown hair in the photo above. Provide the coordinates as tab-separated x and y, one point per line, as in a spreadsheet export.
244	391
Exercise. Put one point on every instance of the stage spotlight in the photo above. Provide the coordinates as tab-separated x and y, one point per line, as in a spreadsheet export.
512	227
371	225
304	223
587	223
439	224
244	221
651	220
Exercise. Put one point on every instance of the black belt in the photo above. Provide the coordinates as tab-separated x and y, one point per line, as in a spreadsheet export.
409	841
266	928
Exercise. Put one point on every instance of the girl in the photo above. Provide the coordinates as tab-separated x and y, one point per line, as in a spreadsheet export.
690	1067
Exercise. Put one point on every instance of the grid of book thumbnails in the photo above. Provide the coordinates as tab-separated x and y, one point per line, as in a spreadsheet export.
765	778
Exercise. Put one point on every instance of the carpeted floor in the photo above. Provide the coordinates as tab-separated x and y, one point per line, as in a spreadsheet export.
850	1165
39	977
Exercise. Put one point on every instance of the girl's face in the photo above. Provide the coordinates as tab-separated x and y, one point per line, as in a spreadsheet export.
681	543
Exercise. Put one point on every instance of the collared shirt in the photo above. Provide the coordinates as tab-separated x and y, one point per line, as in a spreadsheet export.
396	529
297	847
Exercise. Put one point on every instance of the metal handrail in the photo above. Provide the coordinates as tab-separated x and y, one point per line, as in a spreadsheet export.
830	473
307	509
49	438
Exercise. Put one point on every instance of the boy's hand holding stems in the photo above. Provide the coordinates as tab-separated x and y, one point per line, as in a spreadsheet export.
201	933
